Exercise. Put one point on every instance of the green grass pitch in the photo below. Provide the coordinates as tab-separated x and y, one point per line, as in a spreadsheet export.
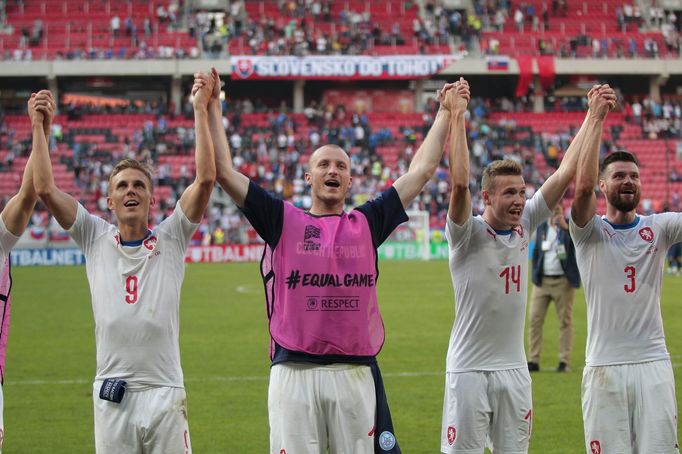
224	343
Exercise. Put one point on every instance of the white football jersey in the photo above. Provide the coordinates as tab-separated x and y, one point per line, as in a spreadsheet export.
622	269
490	278
7	241
135	295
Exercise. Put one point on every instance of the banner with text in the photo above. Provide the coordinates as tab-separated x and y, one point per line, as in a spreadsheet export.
360	67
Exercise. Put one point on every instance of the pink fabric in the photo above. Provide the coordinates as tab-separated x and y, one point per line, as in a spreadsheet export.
323	299
5	287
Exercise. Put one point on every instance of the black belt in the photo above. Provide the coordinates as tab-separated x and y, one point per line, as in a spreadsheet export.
553	276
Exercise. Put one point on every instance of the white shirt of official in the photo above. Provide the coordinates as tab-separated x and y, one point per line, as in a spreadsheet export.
622	270
551	266
136	298
490	279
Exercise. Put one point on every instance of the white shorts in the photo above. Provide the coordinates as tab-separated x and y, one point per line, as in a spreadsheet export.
492	409
630	408
152	421
314	409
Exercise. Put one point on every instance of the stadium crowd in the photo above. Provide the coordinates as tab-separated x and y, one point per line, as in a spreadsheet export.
307	27
274	153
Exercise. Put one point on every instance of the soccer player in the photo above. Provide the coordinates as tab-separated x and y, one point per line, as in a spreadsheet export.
320	270
135	275
488	386
628	389
13	221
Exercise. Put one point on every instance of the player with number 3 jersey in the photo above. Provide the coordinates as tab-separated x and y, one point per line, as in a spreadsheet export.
487	392
628	391
135	275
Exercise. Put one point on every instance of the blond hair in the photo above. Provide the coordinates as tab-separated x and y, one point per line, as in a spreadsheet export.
499	168
132	164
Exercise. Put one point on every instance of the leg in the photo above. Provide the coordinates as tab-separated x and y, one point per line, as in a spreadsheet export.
605	410
349	401
512	404
296	421
167	429
563	300
654	416
466	413
116	424
538	310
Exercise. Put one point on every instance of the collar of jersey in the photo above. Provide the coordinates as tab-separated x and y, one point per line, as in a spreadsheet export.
137	242
623	226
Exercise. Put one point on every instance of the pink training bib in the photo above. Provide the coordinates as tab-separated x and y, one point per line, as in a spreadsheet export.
321	296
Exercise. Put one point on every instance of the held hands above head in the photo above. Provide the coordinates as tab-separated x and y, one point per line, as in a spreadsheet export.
601	100
455	97
204	79
41	108
203	89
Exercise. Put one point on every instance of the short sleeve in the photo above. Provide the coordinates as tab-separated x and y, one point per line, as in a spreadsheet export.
265	213
87	228
672	225
7	239
580	235
384	214
178	226
458	235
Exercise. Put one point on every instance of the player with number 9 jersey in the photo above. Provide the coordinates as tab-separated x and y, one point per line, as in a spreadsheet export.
135	275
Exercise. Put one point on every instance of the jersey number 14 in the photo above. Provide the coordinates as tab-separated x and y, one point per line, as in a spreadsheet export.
512	277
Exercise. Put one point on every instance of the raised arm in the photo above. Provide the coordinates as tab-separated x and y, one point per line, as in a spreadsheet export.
232	181
601	98
460	198
585	142
427	158
63	207
195	198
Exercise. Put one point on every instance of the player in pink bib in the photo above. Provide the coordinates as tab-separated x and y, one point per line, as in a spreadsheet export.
320	269
13	221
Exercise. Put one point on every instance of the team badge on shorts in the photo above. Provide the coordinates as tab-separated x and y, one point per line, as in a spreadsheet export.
386	440
647	234
452	435
595	447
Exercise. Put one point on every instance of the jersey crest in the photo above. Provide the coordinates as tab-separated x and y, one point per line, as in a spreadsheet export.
647	234
150	242
519	230
595	447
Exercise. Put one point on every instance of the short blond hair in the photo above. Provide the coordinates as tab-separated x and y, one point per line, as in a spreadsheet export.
499	168
132	164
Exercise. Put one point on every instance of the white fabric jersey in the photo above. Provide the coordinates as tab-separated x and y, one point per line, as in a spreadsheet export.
622	270
136	298
490	275
7	241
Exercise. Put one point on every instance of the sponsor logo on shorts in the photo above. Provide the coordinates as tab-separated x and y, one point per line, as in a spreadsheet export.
452	435
386	440
595	447
647	234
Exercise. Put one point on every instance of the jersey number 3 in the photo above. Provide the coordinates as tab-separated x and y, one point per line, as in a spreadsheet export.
131	289
511	276
630	273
